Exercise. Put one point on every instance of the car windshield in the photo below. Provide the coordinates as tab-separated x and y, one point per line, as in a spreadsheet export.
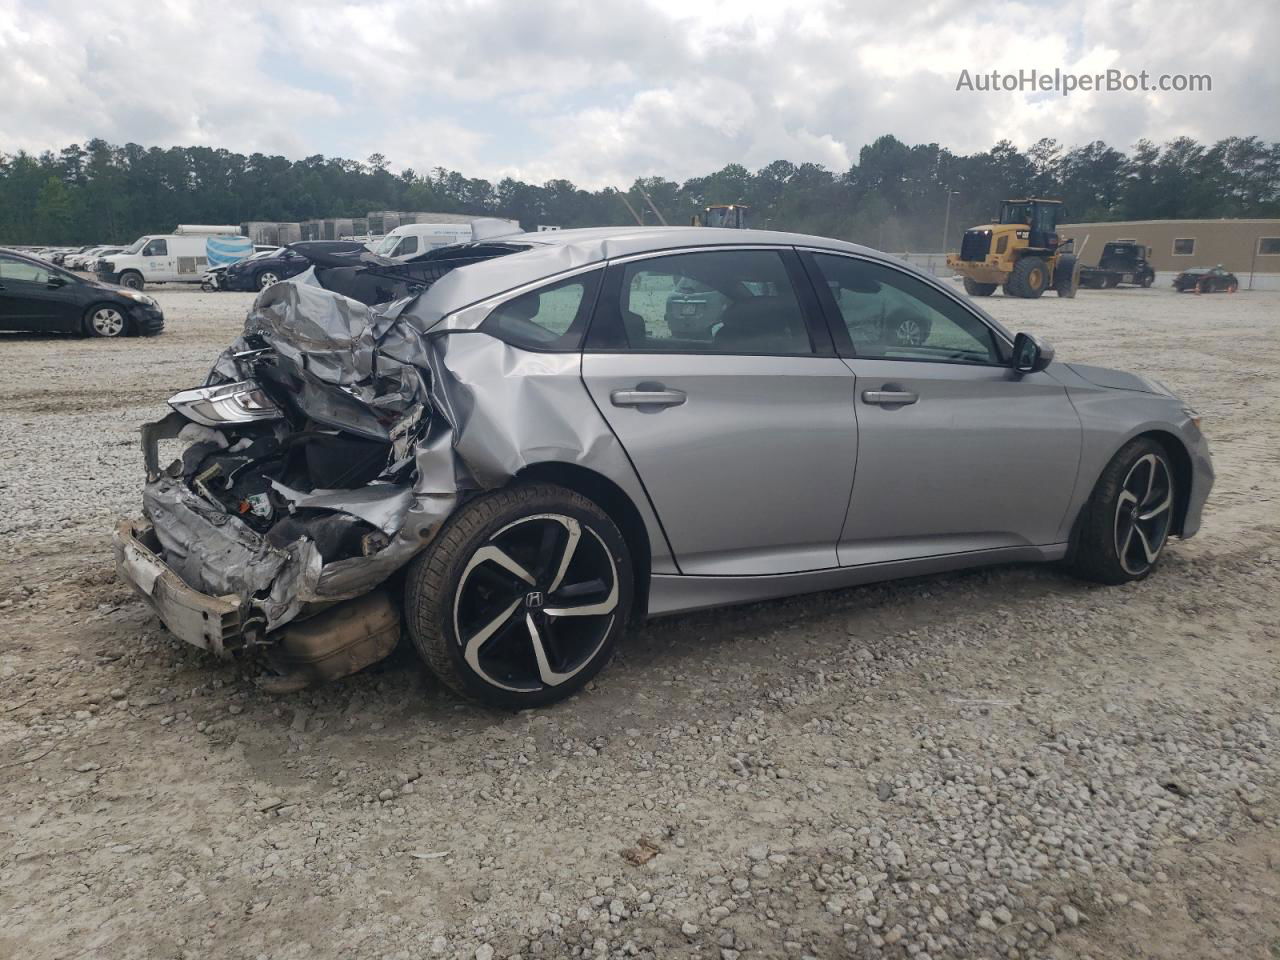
136	246
388	244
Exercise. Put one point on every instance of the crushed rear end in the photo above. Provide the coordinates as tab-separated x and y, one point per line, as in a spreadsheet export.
316	461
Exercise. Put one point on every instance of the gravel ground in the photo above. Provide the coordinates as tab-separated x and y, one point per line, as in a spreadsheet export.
1004	763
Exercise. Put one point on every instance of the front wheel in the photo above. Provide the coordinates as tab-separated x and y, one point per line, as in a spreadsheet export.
131	279
105	320
1030	278
1125	525
267	279
520	599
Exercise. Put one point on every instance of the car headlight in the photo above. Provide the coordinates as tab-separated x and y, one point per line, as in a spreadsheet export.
242	402
141	298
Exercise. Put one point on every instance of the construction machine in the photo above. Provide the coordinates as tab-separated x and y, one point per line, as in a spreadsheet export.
1021	253
732	215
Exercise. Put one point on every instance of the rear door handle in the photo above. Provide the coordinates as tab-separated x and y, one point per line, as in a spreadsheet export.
889	397
647	398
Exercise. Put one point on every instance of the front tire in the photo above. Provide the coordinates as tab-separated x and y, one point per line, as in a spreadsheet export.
131	279
1126	522
267	278
105	320
520	599
1029	279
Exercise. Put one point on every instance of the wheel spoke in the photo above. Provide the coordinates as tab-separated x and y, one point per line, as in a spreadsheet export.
1145	544
572	591
1159	508
472	651
1151	477
549	676
494	554
574	531
595	609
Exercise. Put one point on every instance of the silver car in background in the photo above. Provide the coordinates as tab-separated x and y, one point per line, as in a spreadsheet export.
523	453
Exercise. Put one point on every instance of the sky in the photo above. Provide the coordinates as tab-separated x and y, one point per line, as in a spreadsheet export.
603	92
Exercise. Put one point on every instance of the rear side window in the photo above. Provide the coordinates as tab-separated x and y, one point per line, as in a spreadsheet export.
721	301
552	318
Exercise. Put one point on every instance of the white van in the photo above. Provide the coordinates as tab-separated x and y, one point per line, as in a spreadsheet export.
412	239
179	257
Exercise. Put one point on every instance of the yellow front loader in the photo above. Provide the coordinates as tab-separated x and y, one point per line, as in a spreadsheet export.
1022	253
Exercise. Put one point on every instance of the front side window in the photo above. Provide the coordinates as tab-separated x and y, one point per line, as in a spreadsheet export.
21	270
722	301
157	248
552	318
407	246
890	315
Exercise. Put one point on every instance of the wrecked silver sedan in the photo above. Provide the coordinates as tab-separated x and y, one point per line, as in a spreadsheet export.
517	449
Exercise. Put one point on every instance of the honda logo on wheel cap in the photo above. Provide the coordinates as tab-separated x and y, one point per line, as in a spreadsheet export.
534	600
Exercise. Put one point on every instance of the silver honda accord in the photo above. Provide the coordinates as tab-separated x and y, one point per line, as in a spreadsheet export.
509	449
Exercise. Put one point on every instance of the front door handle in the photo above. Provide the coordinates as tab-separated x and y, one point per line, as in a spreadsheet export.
889	397
660	397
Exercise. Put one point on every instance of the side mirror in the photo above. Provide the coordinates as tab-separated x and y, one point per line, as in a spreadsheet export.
1030	355
56	281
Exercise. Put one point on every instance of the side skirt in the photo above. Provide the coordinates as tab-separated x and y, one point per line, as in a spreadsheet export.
670	594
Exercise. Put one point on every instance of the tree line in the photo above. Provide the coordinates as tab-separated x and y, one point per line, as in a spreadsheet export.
895	197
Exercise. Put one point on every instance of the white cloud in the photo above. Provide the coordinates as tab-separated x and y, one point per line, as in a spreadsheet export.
602	93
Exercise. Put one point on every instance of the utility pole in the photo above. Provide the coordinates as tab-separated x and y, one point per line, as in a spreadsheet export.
631	209
661	219
946	222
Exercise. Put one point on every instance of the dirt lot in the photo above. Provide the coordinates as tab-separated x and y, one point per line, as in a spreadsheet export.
1000	763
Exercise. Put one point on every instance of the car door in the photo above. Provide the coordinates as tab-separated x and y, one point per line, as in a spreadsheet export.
28	299
158	261
743	434
956	452
288	264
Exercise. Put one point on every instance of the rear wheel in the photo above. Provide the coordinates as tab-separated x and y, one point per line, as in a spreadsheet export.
1232	286
975	289
105	320
521	598
1029	279
1125	525
1148	279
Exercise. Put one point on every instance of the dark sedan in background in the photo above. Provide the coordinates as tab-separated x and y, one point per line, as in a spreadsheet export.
1206	280
35	295
263	269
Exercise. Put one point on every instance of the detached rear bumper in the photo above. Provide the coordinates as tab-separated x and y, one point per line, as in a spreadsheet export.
215	624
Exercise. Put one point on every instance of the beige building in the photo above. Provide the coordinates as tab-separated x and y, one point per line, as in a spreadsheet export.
1248	248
